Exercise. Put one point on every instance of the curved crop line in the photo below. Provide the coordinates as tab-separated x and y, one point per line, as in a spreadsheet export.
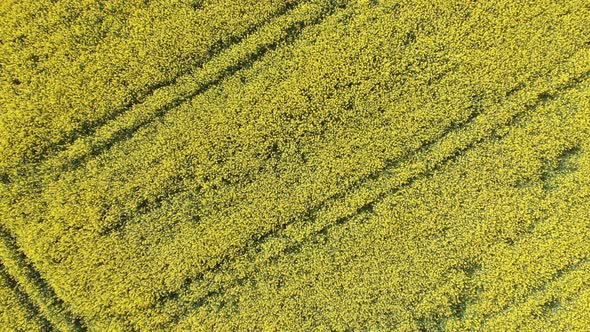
23	298
228	62
36	288
88	129
368	205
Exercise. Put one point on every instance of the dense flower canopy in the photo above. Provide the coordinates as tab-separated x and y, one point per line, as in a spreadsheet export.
305	165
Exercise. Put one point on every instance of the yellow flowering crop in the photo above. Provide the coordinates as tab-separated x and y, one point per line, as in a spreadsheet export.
294	165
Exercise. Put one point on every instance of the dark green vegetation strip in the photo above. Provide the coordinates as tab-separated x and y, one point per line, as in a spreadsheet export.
18	312
20	272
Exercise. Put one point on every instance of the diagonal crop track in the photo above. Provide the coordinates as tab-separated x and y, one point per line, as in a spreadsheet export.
281	29
419	164
38	291
125	135
336	210
23	298
389	163
559	274
89	129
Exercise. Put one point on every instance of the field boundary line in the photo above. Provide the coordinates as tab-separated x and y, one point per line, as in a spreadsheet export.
35	287
23	298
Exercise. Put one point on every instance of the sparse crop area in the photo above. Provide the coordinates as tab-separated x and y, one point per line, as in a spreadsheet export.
294	165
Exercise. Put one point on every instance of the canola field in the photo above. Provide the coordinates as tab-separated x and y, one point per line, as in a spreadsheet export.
294	165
